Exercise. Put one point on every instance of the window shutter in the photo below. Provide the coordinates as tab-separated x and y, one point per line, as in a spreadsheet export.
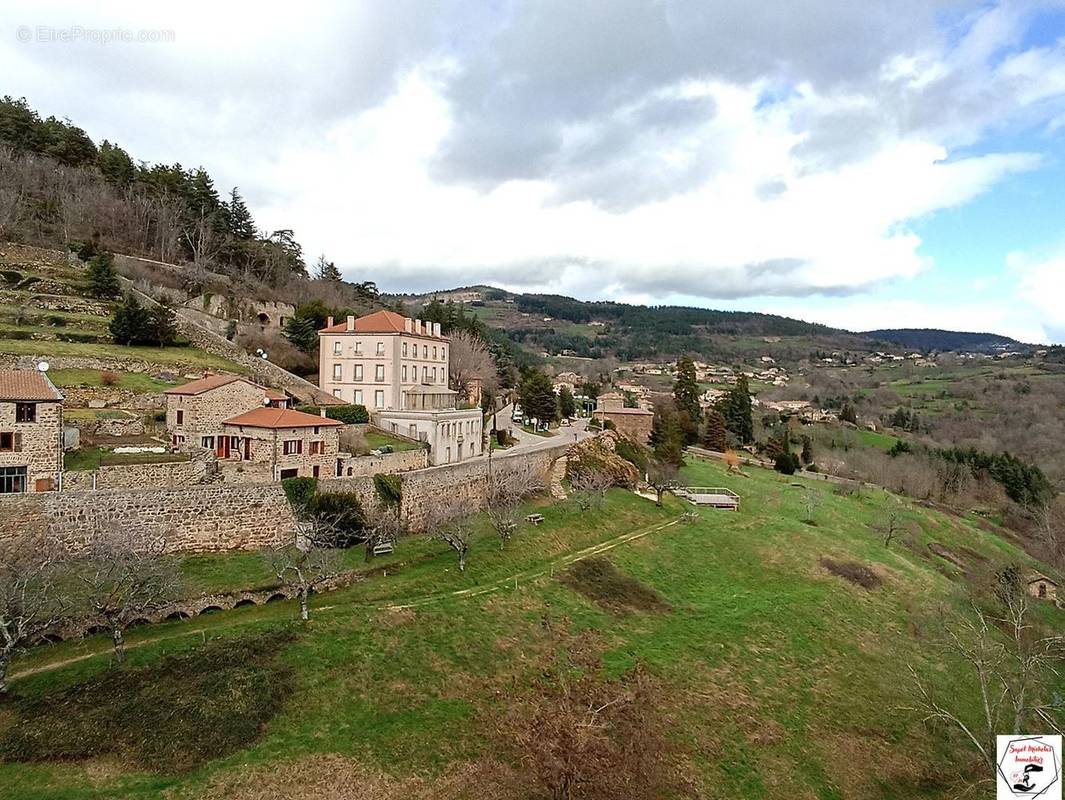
17	442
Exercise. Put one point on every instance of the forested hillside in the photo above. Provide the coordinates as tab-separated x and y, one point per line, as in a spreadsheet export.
929	339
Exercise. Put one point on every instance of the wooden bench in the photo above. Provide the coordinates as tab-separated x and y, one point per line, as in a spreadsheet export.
383	548
535	519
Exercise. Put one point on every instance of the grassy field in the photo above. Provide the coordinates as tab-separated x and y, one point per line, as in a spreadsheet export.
378	439
137	382
778	679
91	458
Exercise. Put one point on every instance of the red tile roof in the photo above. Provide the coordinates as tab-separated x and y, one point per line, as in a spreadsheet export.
28	385
210	382
379	322
280	418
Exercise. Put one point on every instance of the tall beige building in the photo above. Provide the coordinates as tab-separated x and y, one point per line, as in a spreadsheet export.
374	360
398	368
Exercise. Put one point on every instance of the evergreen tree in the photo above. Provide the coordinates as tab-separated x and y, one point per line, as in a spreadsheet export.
686	390
736	409
302	332
667	438
537	396
807	455
567	406
162	322
103	280
848	414
238	219
115	165
715	435
131	323
327	270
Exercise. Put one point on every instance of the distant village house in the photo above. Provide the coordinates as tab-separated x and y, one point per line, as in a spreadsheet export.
31	432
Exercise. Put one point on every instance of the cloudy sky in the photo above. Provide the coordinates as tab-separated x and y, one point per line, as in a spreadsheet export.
865	164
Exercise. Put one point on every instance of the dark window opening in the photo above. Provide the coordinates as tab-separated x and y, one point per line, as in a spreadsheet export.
25	412
12	480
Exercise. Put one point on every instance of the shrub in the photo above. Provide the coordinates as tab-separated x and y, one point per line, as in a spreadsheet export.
633	453
299	491
108	378
786	463
389	488
56	321
351	414
342	517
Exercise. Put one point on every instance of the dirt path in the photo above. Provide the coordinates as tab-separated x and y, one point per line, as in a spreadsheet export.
515	580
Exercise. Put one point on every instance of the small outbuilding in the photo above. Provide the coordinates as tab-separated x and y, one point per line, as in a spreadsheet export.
1042	588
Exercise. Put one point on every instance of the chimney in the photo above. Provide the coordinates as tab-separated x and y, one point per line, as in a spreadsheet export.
436	329
322	411
329	322
351	323
417	326
408	324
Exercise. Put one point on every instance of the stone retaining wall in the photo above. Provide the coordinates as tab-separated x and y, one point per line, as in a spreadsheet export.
402	461
164	475
210	518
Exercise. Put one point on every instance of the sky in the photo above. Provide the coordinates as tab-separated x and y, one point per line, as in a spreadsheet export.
866	165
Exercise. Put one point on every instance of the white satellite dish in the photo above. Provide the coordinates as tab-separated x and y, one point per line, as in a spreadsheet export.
266	401
263	355
43	366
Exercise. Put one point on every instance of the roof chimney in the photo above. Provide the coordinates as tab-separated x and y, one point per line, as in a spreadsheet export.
408	324
322	411
436	329
351	323
329	322
417	326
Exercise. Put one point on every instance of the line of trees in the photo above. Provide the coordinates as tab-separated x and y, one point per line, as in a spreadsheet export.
57	186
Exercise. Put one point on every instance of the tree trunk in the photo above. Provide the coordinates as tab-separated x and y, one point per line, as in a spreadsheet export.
305	611
462	560
658	497
3	675
120	644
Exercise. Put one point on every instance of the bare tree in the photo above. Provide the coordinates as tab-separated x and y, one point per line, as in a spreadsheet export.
449	522
386	529
811	502
1014	668
590	487
307	561
662	477
125	577
891	526
469	359
506	487
29	603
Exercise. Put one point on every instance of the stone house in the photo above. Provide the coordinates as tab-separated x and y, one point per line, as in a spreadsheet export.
1042	587
287	442
195	411
31	432
632	423
610	401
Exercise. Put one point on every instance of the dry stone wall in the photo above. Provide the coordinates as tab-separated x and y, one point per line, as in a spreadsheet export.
210	518
165	475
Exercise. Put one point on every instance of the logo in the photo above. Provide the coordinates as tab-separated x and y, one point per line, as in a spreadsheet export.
1028	767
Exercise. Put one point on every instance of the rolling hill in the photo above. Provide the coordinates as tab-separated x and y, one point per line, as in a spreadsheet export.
929	339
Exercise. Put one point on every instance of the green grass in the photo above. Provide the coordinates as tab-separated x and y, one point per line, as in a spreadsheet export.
782	680
138	382
377	439
173	356
91	458
532	430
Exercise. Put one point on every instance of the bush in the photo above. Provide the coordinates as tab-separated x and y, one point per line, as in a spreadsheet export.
389	488
633	453
108	378
350	414
299	491
786	463
342	512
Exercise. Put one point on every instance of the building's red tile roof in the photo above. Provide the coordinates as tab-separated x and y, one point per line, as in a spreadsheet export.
280	418
27	385
209	382
379	322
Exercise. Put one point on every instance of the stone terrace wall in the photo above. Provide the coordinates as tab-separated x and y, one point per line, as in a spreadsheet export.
164	475
402	461
195	519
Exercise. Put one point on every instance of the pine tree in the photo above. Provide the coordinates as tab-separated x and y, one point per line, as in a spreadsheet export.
537	396
715	435
130	323
103	280
162	323
327	270
567	406
807	454
302	332
667	438
736	409
238	218
848	414
686	390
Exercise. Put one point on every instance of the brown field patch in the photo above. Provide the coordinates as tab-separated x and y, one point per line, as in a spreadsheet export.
601	582
852	571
